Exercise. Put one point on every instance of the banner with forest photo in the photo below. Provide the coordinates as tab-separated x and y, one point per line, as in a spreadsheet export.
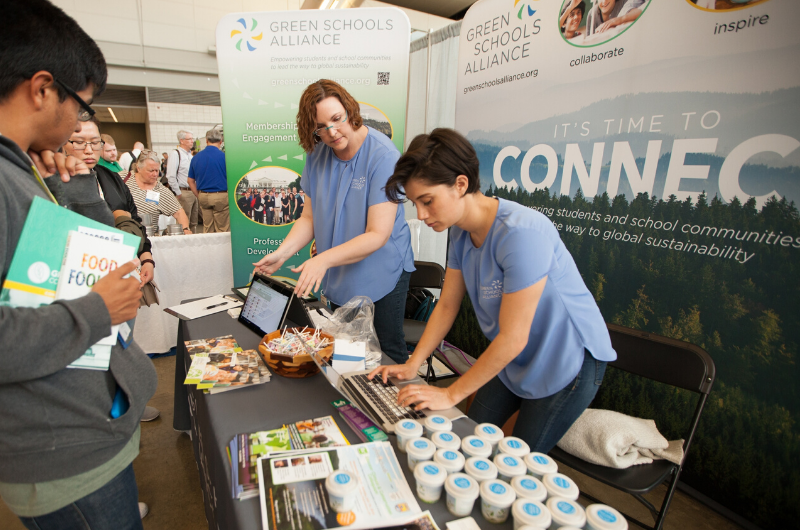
662	139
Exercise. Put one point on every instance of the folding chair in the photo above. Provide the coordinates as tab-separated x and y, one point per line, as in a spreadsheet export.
668	361
428	275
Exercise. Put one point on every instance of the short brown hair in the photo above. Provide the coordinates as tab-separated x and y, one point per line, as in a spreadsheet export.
437	158
307	114
108	139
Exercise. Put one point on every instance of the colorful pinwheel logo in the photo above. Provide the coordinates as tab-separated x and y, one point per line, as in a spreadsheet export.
246	35
530	10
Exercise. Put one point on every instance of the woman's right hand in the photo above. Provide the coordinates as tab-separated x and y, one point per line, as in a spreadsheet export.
270	263
403	372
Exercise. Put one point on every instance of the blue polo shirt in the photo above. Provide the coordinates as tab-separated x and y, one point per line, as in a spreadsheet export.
341	193
521	248
208	170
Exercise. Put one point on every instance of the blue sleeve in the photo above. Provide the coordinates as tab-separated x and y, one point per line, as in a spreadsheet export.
191	169
453	253
379	174
525	255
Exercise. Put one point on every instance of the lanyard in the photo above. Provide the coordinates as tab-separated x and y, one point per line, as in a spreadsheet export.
40	180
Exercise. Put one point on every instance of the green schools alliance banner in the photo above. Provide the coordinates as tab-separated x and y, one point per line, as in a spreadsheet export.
266	60
662	138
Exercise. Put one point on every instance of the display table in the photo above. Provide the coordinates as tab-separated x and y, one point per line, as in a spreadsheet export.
187	267
215	419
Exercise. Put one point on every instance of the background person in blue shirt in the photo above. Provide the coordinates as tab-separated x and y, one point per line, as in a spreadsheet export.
208	180
363	241
549	343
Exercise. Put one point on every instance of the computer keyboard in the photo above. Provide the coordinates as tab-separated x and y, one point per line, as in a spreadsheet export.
380	399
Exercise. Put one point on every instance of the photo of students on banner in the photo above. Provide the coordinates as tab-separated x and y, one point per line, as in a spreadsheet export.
265	197
600	21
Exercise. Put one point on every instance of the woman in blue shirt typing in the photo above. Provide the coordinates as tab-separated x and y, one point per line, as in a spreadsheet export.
363	241
549	343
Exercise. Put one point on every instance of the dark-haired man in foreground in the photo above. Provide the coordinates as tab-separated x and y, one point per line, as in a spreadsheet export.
65	458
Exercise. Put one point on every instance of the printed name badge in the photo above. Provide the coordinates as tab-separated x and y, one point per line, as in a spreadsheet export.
152	196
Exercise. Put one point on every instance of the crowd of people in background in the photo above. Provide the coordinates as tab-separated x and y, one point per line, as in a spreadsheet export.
272	206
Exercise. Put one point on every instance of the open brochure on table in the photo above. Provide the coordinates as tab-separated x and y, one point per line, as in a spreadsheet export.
294	497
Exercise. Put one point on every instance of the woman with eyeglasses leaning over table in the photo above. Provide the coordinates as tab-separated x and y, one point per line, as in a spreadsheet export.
549	343
363	241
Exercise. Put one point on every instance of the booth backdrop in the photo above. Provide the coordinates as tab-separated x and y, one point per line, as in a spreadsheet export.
266	60
667	153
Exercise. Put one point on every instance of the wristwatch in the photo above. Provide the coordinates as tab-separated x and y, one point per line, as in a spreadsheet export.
153	263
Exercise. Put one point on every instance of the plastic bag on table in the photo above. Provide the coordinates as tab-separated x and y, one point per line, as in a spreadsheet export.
353	321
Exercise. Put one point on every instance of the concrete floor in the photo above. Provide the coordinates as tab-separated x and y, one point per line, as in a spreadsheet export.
168	480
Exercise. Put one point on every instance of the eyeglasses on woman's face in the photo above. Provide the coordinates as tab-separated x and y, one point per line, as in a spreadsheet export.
337	123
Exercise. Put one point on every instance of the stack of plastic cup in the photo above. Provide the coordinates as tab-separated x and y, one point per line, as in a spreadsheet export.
530	514
565	513
407	430
419	450
462	490
490	433
430	478
437	423
342	489
513	446
476	446
528	487
451	461
509	467
496	500
446	440
558	485
480	469
602	517
539	465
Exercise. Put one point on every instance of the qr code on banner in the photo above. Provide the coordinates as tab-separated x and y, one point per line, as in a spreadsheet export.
383	78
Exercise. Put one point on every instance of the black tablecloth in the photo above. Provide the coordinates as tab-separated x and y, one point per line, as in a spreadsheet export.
215	419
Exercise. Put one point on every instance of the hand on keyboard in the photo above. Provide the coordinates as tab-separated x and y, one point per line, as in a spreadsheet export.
403	372
425	397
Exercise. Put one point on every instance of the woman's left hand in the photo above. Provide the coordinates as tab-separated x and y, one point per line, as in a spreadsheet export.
425	397
312	272
147	273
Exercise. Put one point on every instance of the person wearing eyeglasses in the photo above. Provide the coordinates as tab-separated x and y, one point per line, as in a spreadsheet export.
87	145
67	451
178	165
363	241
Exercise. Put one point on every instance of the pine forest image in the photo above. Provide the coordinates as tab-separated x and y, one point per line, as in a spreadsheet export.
720	275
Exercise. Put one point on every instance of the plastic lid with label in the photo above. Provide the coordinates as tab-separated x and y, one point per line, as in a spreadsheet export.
341	483
511	445
436	423
462	486
497	493
508	465
559	485
476	446
408	428
540	464
481	468
528	487
489	432
430	474
446	440
420	449
452	461
531	513
566	512
603	517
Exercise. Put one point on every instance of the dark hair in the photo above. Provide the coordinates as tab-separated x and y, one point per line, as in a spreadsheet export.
39	36
581	7
307	113
437	158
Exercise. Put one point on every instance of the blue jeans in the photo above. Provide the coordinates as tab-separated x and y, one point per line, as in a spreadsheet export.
388	320
112	507
541	422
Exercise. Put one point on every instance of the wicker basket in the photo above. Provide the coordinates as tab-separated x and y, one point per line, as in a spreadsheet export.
298	366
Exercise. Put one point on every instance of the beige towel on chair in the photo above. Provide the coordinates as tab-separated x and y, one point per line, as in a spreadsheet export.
611	439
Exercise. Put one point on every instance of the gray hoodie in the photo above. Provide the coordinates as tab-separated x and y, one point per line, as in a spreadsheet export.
55	422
